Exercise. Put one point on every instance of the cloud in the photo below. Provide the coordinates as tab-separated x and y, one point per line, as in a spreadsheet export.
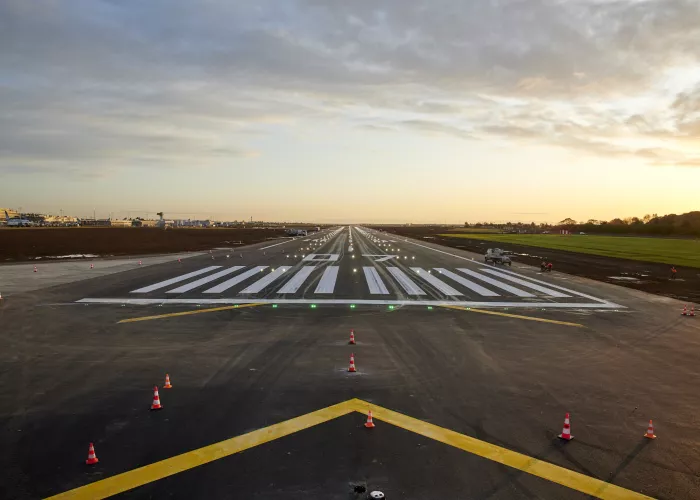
172	82
435	127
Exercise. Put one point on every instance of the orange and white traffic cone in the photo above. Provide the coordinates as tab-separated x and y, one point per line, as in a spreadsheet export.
34	268
139	263
692	311
352	337
369	424
650	431
179	261
566	432
156	400
167	382
685	311
0	296
92	266
352	368
92	458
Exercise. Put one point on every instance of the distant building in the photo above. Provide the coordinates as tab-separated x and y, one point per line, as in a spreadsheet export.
121	223
10	212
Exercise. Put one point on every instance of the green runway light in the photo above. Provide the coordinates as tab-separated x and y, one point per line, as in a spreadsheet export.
391	307
313	306
352	306
274	306
430	308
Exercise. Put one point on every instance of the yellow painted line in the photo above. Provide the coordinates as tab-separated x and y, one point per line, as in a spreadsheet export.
187	313
539	468
517	316
170	466
138	477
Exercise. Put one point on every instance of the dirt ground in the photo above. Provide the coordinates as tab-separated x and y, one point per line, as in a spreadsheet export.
29	243
646	276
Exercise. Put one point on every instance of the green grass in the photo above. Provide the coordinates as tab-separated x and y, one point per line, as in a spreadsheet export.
475	230
664	250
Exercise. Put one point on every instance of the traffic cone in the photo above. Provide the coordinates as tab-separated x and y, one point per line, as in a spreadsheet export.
684	313
179	261
212	257
92	266
352	368
352	337
34	268
692	311
369	424
92	458
167	382
156	400
650	431
139	263
566	432
0	296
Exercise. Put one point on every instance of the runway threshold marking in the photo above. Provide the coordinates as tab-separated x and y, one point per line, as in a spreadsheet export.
516	316
143	475
187	313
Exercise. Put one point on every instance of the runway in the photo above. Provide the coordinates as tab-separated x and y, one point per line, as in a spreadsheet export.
469	370
350	265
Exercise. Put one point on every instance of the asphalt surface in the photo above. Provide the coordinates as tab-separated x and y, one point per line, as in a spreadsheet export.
70	374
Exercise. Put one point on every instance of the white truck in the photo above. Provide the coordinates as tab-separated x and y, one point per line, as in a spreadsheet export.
497	256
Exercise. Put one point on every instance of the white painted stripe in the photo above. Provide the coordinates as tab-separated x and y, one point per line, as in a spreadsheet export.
327	283
205	280
297	280
439	284
374	282
276	244
405	282
178	279
222	287
224	301
527	284
573	292
485	292
496	283
266	280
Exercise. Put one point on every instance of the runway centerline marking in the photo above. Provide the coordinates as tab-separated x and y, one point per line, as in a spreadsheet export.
126	481
516	316
188	313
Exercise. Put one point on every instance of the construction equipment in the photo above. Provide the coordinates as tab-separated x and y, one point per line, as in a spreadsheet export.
497	256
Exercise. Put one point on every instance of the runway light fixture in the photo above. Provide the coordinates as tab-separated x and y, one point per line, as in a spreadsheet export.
313	306
430	308
391	307
274	306
352	306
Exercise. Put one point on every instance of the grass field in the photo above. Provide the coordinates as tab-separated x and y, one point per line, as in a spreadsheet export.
664	250
475	230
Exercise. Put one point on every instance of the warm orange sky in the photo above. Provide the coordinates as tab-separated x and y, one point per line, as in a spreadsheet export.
402	111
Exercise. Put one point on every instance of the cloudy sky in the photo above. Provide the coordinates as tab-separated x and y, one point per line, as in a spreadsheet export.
338	110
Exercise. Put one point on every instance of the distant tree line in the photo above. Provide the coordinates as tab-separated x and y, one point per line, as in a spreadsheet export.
687	224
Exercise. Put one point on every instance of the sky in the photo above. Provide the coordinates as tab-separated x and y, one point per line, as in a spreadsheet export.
351	111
